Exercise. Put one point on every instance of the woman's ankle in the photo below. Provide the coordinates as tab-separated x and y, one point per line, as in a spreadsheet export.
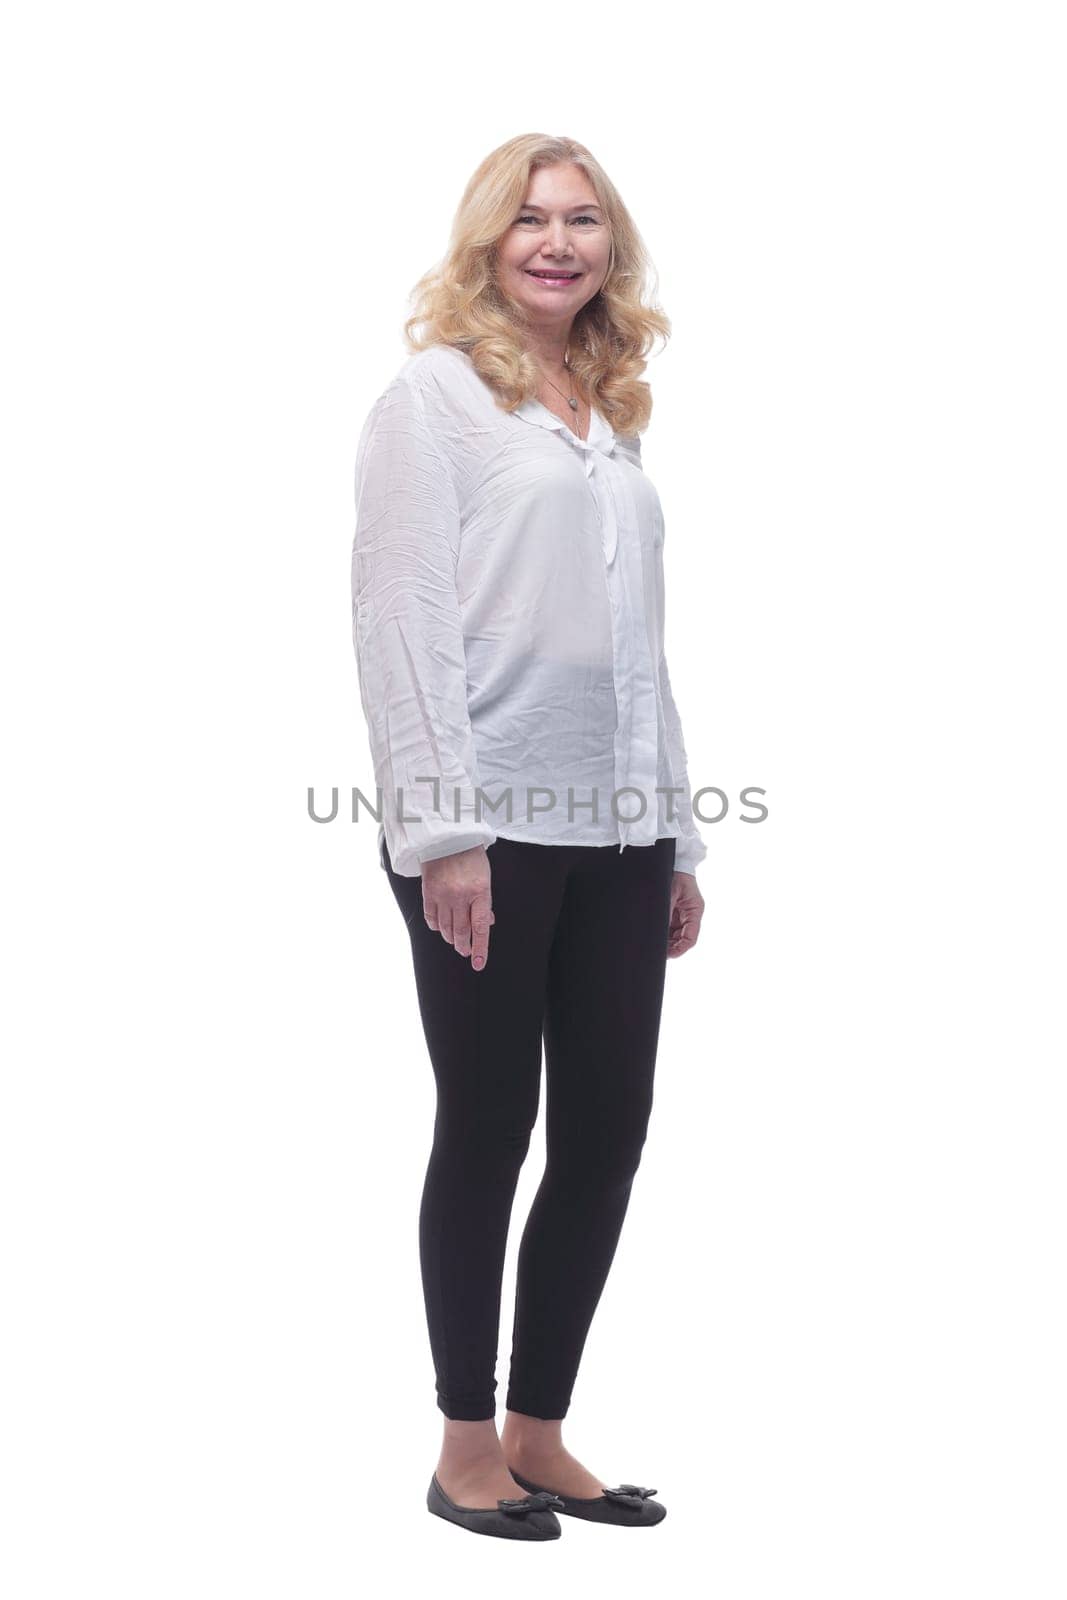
467	1443
537	1436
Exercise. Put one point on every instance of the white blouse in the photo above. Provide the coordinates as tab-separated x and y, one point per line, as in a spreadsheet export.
508	618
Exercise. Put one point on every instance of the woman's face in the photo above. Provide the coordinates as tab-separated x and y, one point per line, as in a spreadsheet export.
561	229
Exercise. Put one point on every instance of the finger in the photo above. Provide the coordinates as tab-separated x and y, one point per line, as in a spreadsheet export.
444	918
684	933
482	919
429	913
461	929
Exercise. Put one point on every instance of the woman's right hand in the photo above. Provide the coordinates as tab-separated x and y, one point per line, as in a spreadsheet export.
457	902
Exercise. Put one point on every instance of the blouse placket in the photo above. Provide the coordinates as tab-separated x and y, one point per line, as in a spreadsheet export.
636	743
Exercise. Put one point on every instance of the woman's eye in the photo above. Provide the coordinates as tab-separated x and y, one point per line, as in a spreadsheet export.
577	219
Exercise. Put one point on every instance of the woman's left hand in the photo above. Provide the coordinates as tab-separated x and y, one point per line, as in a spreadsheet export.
687	908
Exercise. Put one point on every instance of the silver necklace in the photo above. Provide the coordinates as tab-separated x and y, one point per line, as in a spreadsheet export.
571	401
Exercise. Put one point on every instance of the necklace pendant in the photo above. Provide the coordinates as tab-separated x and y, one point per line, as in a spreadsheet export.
573	404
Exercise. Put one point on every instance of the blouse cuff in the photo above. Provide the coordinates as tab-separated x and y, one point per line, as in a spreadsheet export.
407	861
689	854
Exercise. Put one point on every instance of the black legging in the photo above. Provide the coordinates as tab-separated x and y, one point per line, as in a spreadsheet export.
577	955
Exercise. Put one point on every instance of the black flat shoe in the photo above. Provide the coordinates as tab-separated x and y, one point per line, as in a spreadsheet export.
627	1506
532	1517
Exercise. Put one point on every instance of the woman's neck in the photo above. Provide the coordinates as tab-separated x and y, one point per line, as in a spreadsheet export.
549	349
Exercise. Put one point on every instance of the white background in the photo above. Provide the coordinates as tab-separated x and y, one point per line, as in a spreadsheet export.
833	1336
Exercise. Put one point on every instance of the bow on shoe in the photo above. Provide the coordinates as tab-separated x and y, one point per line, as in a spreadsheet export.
630	1494
543	1500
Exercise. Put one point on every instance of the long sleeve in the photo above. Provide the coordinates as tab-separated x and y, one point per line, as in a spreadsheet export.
690	849
408	636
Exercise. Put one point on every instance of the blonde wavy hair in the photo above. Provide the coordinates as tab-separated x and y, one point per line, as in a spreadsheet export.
459	303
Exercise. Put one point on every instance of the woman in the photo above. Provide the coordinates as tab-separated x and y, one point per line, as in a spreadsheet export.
536	823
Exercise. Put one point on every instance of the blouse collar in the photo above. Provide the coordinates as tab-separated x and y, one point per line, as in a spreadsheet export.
601	437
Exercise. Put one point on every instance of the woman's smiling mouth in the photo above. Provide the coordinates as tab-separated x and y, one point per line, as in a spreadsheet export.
553	279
